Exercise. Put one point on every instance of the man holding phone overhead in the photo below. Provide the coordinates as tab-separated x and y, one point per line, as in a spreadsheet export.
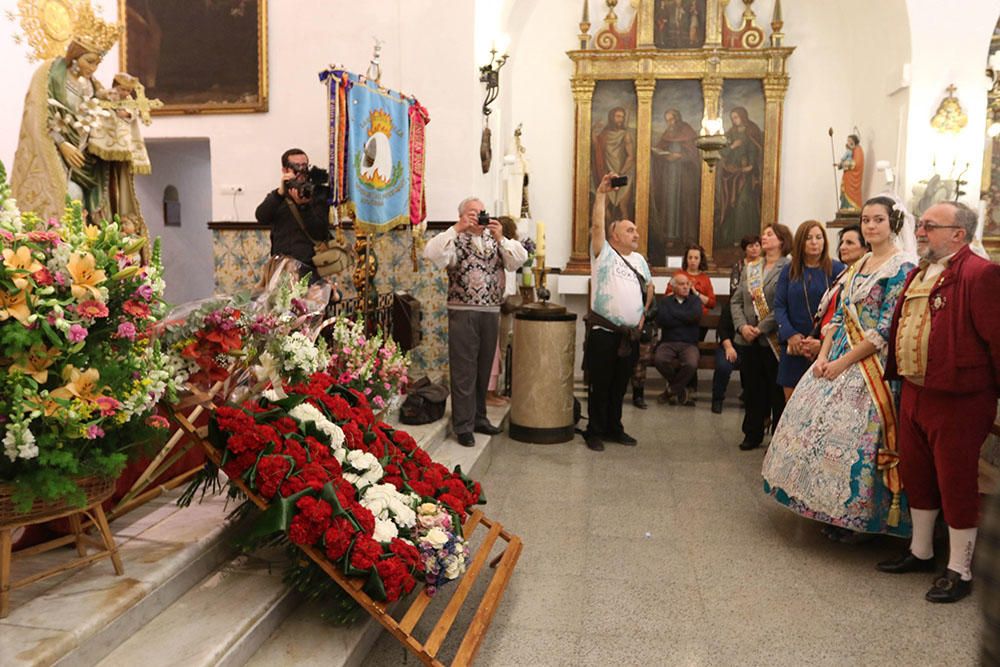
621	293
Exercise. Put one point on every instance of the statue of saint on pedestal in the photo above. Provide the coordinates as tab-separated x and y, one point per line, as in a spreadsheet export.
853	165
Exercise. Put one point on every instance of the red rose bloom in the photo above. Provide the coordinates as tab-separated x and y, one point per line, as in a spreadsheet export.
286	425
422	457
338	538
396	579
422	489
454	503
364	517
365	553
405	551
271	471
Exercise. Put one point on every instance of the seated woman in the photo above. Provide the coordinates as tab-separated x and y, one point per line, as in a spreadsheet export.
801	286
695	266
823	462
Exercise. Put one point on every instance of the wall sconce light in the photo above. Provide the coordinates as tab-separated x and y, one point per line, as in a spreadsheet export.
490	75
711	141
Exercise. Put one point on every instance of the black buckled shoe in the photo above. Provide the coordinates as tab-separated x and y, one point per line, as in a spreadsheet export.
949	587
487	428
906	563
466	439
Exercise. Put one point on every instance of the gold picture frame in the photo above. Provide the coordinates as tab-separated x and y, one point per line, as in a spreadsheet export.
728	53
174	48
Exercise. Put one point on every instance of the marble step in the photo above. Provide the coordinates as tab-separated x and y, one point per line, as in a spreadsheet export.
79	617
220	622
304	638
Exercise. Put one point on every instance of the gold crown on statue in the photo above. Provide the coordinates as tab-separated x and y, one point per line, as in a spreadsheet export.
48	27
93	33
380	122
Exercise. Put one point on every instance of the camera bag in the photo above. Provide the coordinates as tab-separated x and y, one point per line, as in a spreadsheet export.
329	257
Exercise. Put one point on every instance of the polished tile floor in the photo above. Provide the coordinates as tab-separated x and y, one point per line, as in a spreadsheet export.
669	553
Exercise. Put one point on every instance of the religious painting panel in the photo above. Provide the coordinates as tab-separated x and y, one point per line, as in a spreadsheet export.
739	182
613	143
991	158
198	56
675	169
679	24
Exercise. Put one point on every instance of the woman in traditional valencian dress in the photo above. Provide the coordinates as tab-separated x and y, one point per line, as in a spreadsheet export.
833	455
62	111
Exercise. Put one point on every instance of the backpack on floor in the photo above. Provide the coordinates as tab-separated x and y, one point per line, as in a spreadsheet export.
425	401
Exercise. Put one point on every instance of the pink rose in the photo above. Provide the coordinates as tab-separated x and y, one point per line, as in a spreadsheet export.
76	333
126	330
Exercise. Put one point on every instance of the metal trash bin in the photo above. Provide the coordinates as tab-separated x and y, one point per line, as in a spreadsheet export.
541	404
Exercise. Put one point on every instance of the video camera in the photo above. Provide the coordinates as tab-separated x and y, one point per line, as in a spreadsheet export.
308	181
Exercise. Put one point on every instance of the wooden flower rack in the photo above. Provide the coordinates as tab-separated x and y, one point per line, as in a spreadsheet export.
426	651
97	491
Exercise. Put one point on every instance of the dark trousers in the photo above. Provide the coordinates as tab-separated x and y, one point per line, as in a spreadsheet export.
762	395
677	362
643	361
608	379
472	342
940	435
723	371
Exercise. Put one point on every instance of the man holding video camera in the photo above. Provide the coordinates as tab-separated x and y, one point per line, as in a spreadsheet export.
475	253
296	212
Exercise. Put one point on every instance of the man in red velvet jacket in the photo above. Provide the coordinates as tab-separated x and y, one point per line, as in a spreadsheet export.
945	346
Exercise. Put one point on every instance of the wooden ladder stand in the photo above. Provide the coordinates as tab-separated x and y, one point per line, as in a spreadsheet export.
503	566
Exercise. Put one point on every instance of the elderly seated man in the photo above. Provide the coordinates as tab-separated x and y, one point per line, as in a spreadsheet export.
676	356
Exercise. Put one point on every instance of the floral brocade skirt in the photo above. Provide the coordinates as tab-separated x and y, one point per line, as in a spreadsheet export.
822	459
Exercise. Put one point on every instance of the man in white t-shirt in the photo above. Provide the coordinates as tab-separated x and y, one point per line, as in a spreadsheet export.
621	290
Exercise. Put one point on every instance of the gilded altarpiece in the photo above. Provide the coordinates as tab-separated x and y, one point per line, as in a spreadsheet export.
640	110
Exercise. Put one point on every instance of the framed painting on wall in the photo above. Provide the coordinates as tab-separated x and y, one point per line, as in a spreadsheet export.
198	57
679	24
740	172
675	169
613	111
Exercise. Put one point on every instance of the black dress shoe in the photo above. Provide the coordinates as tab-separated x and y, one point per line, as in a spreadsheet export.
906	563
746	445
594	442
717	407
949	587
623	438
466	439
639	402
487	428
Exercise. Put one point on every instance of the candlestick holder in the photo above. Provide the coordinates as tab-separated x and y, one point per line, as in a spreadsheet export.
542	293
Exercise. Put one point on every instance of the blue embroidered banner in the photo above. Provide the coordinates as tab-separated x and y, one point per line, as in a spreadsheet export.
378	156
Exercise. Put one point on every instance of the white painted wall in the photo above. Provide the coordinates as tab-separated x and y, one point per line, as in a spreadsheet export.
950	46
428	53
186	250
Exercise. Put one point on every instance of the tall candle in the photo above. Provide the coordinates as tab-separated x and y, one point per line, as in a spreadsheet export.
539	238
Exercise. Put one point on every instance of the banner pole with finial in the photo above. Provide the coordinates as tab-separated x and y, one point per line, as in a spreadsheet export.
836	188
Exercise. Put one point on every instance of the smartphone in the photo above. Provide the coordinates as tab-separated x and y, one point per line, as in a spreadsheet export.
619	181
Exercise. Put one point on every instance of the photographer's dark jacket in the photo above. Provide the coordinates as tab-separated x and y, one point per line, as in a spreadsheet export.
286	235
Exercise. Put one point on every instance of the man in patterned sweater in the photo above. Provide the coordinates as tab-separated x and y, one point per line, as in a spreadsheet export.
475	256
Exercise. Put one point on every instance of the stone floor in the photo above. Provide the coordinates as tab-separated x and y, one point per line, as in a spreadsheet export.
670	554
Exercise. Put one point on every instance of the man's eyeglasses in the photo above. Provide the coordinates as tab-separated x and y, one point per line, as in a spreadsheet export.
931	226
